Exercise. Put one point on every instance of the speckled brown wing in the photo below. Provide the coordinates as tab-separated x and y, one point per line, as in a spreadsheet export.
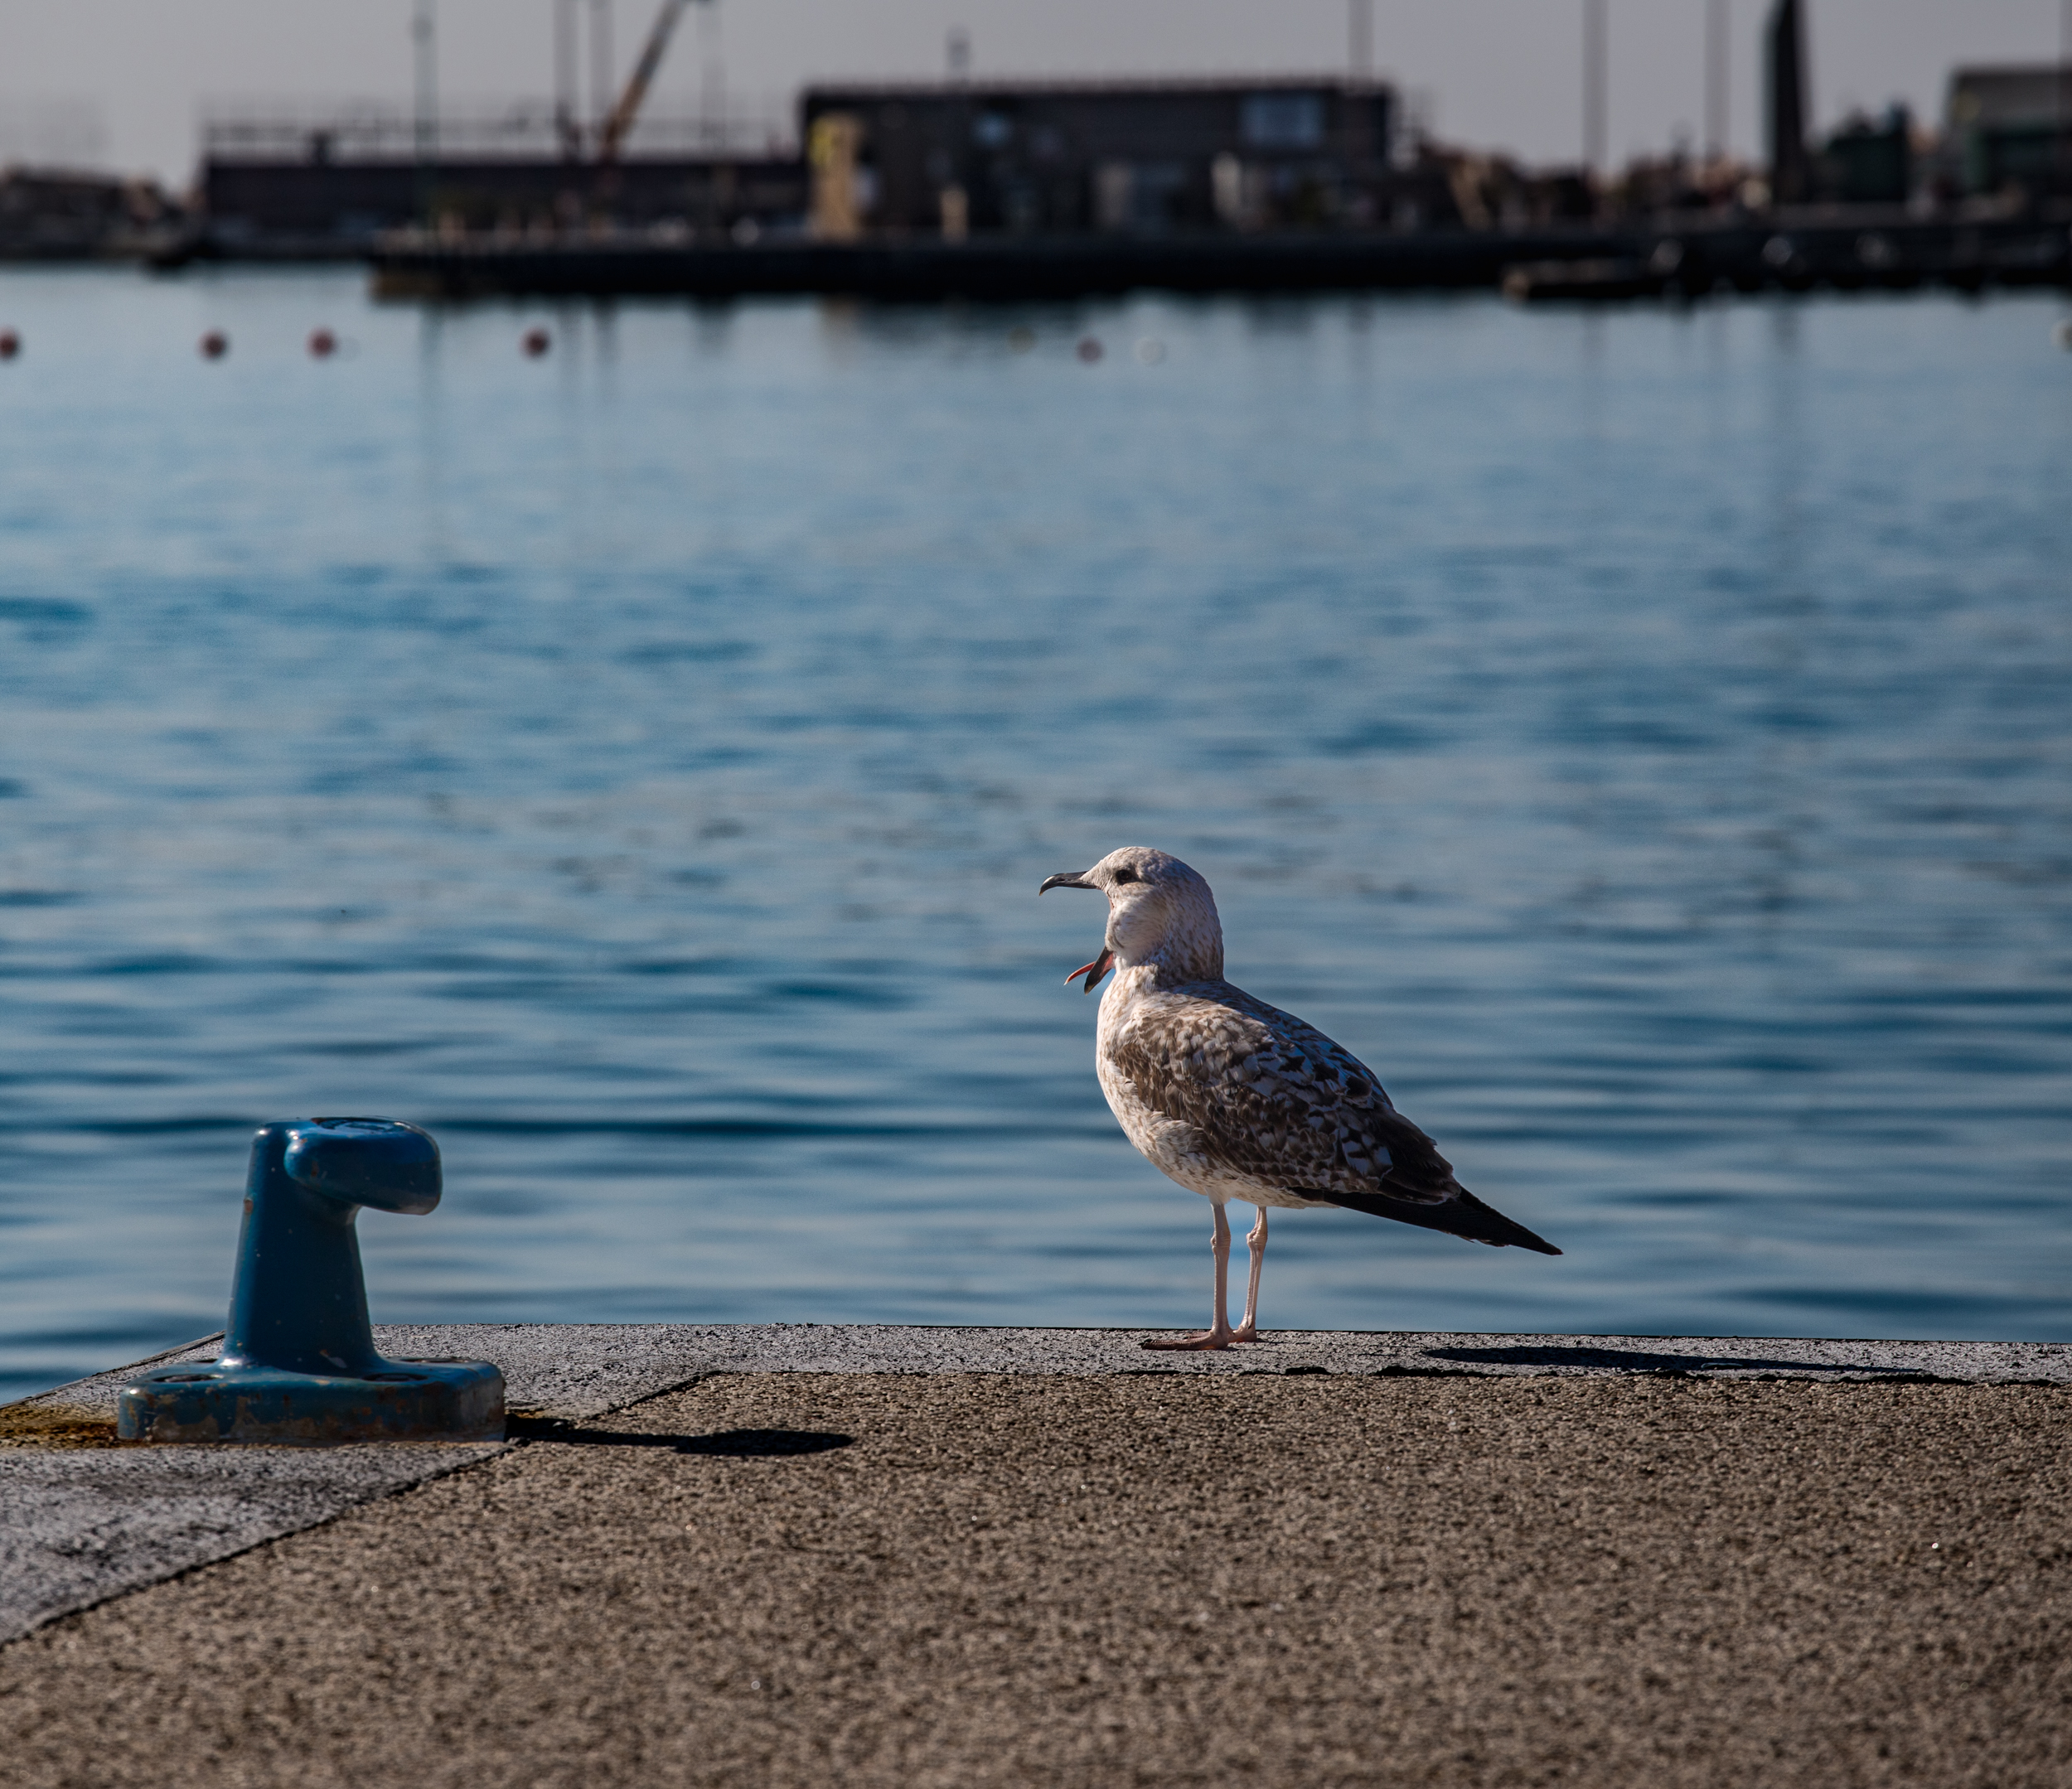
1275	1100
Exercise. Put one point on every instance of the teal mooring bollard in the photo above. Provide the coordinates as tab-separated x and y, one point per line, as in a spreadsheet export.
299	1363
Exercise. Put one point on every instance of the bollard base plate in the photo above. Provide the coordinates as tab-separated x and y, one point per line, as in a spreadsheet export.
209	1402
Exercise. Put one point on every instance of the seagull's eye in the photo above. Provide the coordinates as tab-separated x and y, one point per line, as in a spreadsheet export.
1125	876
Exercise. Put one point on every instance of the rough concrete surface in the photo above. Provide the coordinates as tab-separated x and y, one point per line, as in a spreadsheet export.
922	1348
81	1520
1015	1579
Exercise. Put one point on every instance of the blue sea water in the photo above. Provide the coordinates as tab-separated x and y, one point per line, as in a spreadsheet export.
1645	738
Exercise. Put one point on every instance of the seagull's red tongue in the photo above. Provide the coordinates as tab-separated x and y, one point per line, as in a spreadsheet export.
1092	971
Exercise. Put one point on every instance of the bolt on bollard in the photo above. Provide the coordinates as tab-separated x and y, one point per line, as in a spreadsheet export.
298	1364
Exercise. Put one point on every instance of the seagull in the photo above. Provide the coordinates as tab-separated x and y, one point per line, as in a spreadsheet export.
1236	1100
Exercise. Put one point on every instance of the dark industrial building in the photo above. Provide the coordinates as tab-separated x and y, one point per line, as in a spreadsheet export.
57	216
952	159
343	182
1070	157
1869	161
2011	128
530	172
955	184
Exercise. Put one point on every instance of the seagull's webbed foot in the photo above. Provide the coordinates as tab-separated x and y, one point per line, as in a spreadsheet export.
1220	1337
1244	1332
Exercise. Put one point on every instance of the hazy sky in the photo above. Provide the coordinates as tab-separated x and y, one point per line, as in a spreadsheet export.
122	82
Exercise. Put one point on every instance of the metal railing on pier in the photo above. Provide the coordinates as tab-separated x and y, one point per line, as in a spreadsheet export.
522	130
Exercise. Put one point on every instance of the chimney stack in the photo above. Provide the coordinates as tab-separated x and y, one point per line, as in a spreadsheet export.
1785	67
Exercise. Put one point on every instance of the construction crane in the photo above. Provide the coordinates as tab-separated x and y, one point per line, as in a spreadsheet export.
617	127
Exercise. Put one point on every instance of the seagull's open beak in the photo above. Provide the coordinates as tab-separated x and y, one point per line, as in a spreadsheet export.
1101	964
1092	971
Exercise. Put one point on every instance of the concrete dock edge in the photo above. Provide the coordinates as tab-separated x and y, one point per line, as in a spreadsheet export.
83	1519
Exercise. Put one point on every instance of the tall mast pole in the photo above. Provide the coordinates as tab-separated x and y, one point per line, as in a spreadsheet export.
601	94
1595	56
425	40
567	128
1715	68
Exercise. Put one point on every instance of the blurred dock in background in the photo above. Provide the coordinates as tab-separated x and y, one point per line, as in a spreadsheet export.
1035	189
1024	189
1796	251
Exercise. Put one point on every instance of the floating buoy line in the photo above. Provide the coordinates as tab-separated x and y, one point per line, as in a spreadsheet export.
323	343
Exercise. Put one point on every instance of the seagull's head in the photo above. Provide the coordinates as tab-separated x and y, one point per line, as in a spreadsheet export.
1159	912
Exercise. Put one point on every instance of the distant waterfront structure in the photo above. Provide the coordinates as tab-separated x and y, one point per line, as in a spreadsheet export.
1082	169
47	215
1868	161
298	184
1029	158
2010	127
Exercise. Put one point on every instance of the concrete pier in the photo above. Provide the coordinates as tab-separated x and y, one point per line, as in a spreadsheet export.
941	1556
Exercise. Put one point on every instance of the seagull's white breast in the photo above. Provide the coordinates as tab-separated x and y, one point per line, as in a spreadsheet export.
1171	1145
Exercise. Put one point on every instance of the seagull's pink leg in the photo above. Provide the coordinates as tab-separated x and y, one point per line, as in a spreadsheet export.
1217	1334
1248	1329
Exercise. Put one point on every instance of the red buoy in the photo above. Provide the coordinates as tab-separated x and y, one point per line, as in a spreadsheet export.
536	343
1089	349
323	344
10	345
214	345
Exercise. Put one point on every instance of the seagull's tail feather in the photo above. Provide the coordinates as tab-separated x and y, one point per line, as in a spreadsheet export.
1461	1214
